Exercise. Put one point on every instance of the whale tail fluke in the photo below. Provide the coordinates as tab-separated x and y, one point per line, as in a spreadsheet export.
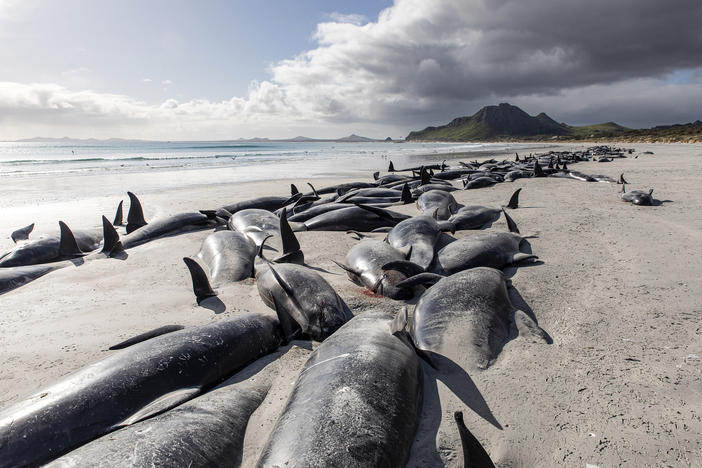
201	284
135	216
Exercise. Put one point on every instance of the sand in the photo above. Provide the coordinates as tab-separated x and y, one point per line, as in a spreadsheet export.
618	290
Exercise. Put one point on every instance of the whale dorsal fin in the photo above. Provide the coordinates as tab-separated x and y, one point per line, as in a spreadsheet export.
110	238
510	223
291	246
135	217
118	215
68	247
293	190
473	453
391	167
406	194
537	170
514	199
201	284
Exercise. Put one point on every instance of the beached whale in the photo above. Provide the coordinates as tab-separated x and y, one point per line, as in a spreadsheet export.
15	276
66	245
356	403
229	256
301	294
364	266
637	197
417	237
437	203
476	216
356	218
466	317
140	232
256	224
131	385
205	431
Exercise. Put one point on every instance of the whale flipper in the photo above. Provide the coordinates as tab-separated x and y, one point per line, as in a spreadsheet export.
163	403
147	336
22	233
135	217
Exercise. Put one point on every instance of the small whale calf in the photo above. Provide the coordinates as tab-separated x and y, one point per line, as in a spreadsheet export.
637	197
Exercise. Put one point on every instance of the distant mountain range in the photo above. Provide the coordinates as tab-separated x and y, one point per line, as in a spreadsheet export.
506	122
353	138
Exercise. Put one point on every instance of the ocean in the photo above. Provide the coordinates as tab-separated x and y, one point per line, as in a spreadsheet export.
33	173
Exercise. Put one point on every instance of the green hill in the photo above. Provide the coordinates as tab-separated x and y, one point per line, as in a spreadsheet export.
508	122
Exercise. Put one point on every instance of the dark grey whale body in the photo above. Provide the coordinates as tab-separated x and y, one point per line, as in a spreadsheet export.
466	317
417	236
356	402
485	248
131	385
364	266
229	256
302	294
166	226
356	218
48	249
205	431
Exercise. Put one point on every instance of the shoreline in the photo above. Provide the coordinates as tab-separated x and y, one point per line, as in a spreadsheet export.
618	291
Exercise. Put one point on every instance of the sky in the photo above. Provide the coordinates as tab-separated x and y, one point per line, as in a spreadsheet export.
178	69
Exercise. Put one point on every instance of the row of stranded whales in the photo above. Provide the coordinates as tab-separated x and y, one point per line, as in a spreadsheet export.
130	385
188	435
163	396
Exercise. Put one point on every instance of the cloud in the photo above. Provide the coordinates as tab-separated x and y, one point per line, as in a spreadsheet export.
146	80
424	62
347	18
430	58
